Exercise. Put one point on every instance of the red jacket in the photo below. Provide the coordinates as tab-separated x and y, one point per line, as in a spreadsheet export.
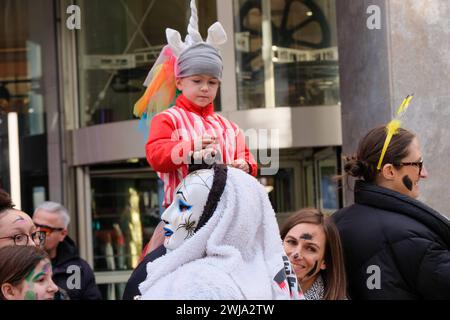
170	141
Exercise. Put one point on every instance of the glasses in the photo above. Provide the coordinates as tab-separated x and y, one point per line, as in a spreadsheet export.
22	239
418	164
47	229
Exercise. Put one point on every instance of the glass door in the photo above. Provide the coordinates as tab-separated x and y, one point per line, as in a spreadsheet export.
328	193
28	97
125	209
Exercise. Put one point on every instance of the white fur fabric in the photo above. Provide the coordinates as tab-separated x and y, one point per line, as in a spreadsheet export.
236	254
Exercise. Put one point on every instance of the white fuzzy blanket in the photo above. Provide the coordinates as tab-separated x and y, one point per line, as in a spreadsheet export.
236	255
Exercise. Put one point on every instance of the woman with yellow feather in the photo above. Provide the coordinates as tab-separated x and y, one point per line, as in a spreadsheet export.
395	246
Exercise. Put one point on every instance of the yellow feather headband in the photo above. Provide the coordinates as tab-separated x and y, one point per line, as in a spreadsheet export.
393	127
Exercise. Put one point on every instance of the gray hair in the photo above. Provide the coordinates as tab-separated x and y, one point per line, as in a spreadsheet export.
55	208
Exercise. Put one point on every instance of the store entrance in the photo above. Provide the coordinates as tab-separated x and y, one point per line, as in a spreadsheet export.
125	211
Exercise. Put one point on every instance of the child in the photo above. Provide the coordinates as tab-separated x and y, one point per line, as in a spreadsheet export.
25	274
190	128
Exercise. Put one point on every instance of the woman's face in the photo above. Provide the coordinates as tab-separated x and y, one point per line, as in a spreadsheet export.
406	177
305	245
189	200
37	285
13	223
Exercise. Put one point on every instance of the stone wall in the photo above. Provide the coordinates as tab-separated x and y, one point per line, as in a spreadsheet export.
378	68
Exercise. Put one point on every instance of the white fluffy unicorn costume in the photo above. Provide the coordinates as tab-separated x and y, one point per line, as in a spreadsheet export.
230	246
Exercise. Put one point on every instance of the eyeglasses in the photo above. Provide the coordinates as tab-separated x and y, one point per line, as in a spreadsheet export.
22	239
47	229
418	164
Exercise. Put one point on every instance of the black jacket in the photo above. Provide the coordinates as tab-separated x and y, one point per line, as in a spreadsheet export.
140	273
66	266
406	239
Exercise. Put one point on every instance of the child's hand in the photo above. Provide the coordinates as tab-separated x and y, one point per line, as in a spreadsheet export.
241	164
207	155
205	142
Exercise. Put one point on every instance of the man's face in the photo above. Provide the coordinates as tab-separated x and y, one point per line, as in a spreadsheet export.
53	225
182	216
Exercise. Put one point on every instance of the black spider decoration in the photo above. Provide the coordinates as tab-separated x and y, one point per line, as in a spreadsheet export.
189	226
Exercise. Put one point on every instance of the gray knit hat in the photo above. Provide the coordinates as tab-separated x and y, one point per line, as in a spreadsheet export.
200	58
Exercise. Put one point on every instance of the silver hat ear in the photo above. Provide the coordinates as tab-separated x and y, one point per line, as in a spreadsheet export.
174	41
193	35
216	35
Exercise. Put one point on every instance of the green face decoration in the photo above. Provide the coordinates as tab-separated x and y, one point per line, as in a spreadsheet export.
33	277
30	295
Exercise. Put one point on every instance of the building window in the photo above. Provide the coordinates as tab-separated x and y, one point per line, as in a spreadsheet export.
286	53
27	94
281	189
119	42
125	212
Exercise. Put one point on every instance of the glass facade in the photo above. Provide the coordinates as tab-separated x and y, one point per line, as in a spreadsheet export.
26	69
286	53
119	42
280	189
125	211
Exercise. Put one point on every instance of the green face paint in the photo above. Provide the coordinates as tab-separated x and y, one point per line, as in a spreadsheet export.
36	278
28	277
30	280
30	295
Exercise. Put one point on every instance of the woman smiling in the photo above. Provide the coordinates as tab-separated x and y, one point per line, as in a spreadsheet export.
312	243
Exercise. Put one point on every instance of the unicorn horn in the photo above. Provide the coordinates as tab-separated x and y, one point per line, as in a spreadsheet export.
194	35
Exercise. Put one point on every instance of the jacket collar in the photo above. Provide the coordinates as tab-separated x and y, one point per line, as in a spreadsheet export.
186	104
390	200
65	252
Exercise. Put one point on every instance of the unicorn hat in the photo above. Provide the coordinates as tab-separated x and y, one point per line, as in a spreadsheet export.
181	59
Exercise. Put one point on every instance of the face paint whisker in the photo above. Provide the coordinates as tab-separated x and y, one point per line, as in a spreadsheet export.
313	270
408	182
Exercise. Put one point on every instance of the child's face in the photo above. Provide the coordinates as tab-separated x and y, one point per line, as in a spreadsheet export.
38	285
199	89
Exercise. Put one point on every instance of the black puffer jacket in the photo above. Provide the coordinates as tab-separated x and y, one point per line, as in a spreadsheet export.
67	256
140	273
406	239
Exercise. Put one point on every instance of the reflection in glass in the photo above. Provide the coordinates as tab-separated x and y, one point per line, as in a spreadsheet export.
280	189
112	291
125	211
304	52
27	46
328	193
134	227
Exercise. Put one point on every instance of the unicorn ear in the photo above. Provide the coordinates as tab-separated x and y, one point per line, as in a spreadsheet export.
174	41
216	35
